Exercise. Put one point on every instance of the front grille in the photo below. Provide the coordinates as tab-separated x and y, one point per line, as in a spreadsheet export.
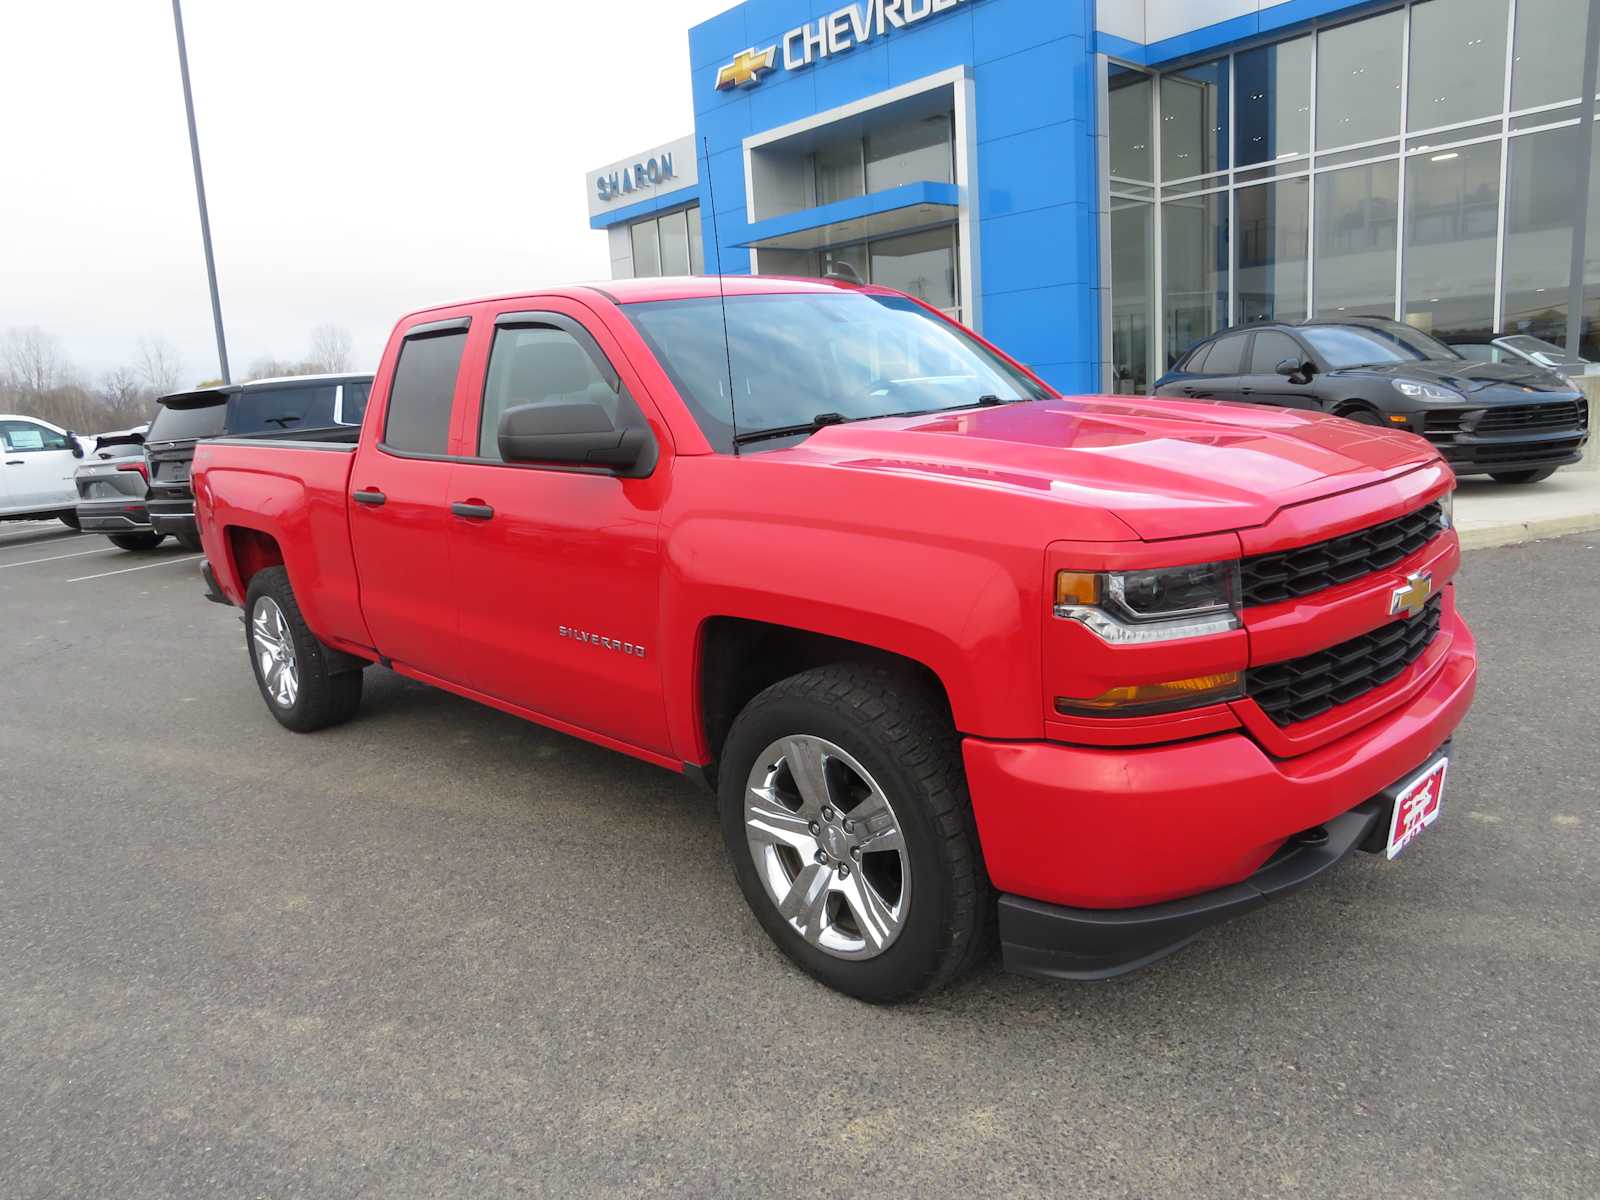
1307	687
1285	574
1534	418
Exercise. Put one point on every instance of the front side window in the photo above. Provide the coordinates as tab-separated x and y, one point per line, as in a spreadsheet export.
541	365
418	420
1272	347
797	357
24	437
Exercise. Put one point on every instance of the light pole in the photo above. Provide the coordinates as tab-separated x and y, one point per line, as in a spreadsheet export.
200	194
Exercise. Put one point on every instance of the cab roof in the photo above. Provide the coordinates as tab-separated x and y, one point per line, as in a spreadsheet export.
682	287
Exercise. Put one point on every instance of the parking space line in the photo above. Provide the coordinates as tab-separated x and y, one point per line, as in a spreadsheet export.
145	567
28	562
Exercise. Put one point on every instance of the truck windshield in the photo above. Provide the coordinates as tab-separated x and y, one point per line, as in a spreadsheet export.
276	409
797	358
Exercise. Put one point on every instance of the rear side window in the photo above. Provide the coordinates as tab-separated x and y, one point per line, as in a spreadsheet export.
1197	358
281	409
1271	348
540	365
1227	356
177	424
418	421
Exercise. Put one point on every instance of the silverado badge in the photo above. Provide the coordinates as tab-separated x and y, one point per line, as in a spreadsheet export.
1408	600
747	68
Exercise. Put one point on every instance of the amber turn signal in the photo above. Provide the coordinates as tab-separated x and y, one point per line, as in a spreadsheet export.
1142	699
1077	587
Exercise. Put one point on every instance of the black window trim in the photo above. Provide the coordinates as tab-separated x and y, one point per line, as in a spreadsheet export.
5	437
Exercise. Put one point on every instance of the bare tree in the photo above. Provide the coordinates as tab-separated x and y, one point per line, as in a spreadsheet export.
158	365
124	399
330	349
32	360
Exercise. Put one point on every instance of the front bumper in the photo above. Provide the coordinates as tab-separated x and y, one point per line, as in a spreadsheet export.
1116	829
114	516
1057	942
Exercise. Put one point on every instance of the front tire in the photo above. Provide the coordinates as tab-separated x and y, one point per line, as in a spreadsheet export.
1361	416
844	807
1535	475
291	666
135	541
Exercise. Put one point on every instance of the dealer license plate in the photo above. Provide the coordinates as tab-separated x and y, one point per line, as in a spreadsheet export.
1417	806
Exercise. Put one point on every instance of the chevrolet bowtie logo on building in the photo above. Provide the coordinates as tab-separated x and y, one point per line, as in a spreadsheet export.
1408	601
747	68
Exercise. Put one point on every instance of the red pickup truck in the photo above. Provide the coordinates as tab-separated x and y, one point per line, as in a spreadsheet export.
960	657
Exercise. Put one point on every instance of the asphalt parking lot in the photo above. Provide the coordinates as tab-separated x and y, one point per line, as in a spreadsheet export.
441	952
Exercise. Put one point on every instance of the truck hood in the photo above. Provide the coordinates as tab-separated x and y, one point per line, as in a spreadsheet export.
1164	468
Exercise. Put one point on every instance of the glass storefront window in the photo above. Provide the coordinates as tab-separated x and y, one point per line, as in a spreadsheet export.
1452	210
1133	343
1357	211
1458	61
646	250
1272	226
1129	99
839	171
921	264
1589	335
1194	120
674	244
1358	80
1273	104
697	245
853	258
913	153
1541	181
1194	269
1547	49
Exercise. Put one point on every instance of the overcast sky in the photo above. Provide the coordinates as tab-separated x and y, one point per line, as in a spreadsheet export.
362	158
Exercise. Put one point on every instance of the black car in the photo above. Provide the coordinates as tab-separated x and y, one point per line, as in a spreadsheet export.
1514	422
112	483
261	408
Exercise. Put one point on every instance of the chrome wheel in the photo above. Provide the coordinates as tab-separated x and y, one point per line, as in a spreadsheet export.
274	650
828	847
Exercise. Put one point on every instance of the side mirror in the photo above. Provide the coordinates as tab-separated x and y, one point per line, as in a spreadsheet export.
1296	372
578	432
77	446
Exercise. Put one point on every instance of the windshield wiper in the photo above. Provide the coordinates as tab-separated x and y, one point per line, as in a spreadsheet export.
820	421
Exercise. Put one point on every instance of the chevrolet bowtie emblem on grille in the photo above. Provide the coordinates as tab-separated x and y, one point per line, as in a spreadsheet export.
1408	601
747	67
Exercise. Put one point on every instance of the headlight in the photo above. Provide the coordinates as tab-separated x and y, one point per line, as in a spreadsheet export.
1418	390
1152	606
1447	508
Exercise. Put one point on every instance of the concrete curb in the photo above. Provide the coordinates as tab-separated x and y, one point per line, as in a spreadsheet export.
1515	532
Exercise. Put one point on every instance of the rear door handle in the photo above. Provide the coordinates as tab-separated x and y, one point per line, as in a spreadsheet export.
472	512
371	497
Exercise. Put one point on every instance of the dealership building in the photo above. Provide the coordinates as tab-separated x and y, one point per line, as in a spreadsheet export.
1096	185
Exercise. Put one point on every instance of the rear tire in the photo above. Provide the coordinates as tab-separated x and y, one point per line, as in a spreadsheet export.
1535	475
135	541
189	541
878	735
291	666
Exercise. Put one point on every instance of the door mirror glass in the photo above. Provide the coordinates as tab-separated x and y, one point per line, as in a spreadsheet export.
1289	368
577	432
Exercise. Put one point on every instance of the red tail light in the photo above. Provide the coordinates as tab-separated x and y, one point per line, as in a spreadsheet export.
143	470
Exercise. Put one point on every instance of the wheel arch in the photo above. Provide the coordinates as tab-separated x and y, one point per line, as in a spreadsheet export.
738	657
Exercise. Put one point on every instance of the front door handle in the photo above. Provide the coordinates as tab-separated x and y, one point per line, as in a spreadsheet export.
472	512
16	462
368	496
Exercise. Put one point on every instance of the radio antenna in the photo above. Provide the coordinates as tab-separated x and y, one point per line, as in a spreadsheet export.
722	293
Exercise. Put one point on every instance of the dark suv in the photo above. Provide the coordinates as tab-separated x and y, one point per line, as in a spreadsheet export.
261	408
1515	422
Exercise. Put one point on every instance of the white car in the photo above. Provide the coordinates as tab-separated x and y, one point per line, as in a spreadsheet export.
36	470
